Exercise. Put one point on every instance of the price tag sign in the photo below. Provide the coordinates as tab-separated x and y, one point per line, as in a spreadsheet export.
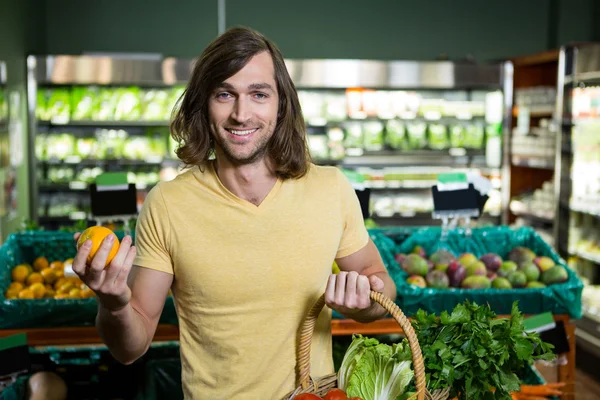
112	195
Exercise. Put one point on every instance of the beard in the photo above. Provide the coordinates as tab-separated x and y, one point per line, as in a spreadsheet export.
230	151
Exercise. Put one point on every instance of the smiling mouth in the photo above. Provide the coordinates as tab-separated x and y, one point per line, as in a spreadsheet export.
239	132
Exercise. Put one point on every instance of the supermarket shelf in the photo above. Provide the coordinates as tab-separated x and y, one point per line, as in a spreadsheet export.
454	157
79	187
586	256
421	218
536	113
102	124
77	161
584	210
533	162
519	210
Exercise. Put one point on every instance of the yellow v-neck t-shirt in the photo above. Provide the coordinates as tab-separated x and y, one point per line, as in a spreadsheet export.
245	276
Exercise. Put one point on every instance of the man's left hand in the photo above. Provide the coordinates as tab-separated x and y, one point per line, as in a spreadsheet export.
349	293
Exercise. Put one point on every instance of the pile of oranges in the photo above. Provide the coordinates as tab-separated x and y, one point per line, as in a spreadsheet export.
45	280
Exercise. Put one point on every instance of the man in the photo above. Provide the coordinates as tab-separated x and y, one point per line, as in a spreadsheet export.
245	239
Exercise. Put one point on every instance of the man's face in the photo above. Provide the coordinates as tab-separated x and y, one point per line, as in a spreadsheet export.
243	111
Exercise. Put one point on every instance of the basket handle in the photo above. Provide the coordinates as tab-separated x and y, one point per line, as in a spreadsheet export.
309	326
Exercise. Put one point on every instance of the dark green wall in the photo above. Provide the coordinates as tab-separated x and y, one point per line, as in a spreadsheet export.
22	31
381	29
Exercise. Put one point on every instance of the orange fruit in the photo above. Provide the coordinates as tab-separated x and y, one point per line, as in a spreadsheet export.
49	275
97	234
65	288
12	293
59	282
50	292
20	273
60	273
74	293
38	289
87	293
61	296
26	294
56	265
15	286
40	263
34	277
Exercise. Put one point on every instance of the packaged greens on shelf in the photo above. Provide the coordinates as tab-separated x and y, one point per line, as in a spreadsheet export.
438	137
354	138
474	136
373	135
335	107
82	102
57	105
104	105
417	135
395	134
127	106
153	105
41	147
457	135
86	148
335	142
59	146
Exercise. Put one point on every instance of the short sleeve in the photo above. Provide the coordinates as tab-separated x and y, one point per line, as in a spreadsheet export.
354	235
152	234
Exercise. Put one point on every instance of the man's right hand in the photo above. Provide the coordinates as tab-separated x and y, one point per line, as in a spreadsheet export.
110	283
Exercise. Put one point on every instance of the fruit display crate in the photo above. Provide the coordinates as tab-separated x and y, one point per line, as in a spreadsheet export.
563	298
48	312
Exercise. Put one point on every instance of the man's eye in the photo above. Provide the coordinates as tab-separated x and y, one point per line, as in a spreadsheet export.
260	96
223	95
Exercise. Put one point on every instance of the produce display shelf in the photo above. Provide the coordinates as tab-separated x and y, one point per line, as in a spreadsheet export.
76	161
519	210
102	124
88	336
587	256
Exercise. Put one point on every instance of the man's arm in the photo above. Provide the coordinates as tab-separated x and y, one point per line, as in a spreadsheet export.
128	332
361	272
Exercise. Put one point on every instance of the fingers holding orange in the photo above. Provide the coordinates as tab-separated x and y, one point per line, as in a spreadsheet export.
103	242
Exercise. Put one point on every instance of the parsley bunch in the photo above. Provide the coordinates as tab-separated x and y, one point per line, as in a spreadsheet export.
472	351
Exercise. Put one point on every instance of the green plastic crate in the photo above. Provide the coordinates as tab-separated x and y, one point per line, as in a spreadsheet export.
562	298
45	313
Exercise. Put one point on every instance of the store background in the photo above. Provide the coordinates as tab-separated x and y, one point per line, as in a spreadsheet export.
483	31
385	30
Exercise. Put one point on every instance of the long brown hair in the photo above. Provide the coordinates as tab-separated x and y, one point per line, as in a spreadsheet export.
223	58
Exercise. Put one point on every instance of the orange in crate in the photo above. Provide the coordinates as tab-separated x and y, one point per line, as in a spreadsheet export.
97	234
40	263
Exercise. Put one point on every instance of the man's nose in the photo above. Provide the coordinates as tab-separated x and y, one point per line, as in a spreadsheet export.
241	111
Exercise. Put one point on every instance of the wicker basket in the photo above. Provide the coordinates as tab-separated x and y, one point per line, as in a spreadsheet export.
321	386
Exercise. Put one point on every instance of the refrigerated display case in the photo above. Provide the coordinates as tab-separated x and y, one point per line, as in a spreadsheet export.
396	124
577	227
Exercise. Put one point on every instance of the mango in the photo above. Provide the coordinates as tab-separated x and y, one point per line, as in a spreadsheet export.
476	282
517	279
437	279
414	264
477	268
556	274
521	255
501	283
535	285
544	263
467	259
456	273
531	271
420	251
506	268
417	280
442	257
492	261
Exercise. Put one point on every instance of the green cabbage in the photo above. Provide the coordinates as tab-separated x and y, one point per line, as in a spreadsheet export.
375	371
